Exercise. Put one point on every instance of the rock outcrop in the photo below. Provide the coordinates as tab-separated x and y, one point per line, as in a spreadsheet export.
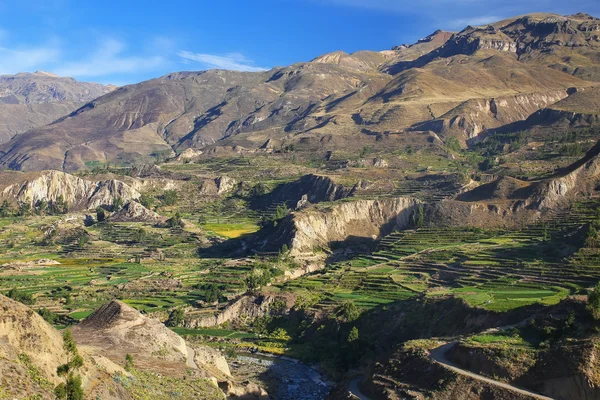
217	186
362	220
474	117
189	154
247	307
208	357
508	201
78	193
579	178
310	188
133	211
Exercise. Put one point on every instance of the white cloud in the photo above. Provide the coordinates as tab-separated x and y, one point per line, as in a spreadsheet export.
14	60
231	61
109	59
474	21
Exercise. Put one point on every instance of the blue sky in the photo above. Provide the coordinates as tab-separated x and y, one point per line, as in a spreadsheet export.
129	41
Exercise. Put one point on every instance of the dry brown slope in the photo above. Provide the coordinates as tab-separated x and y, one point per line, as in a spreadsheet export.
480	78
30	100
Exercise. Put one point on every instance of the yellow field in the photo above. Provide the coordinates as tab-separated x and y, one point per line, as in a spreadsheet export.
231	230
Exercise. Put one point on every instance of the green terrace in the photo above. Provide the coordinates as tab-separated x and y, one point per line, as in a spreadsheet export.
151	286
494	269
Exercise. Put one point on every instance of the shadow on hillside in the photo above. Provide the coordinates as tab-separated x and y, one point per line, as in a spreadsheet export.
229	248
351	247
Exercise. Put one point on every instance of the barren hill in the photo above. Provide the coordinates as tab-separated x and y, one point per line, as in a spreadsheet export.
459	85
118	329
30	100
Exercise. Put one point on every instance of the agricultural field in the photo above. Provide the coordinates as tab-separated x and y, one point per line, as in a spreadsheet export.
498	270
154	269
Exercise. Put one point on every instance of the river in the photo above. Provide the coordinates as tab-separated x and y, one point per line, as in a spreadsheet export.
283	378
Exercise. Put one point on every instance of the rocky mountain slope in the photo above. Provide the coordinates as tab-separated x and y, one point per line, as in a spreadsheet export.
32	350
24	332
116	329
78	193
31	100
459	84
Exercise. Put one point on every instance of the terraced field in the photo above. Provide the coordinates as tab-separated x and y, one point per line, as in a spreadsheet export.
495	269
153	269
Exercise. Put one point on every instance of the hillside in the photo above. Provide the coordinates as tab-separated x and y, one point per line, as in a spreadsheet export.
31	100
415	223
461	85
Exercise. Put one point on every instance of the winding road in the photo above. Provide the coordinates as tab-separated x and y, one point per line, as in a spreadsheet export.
191	353
354	389
439	356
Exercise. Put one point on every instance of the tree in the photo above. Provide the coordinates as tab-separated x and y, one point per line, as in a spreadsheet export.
365	151
420	216
175	221
353	335
71	389
348	311
117	204
213	294
140	234
129	364
42	207
593	304
146	200
169	197
25	207
591	238
59	206
6	209
284	252
176	318
21	297
453	144
83	240
100	214
258	190
280	213
48	315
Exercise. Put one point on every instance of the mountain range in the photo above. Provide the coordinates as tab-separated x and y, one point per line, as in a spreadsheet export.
31	100
463	85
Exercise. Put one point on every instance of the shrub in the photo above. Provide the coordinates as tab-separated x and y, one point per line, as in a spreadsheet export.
21	297
169	197
348	311
453	144
146	200
100	214
593	304
176	318
129	364
117	204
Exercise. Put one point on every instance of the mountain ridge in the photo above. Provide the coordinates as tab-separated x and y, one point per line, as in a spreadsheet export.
343	99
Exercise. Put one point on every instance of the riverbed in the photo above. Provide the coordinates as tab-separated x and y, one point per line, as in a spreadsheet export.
283	378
